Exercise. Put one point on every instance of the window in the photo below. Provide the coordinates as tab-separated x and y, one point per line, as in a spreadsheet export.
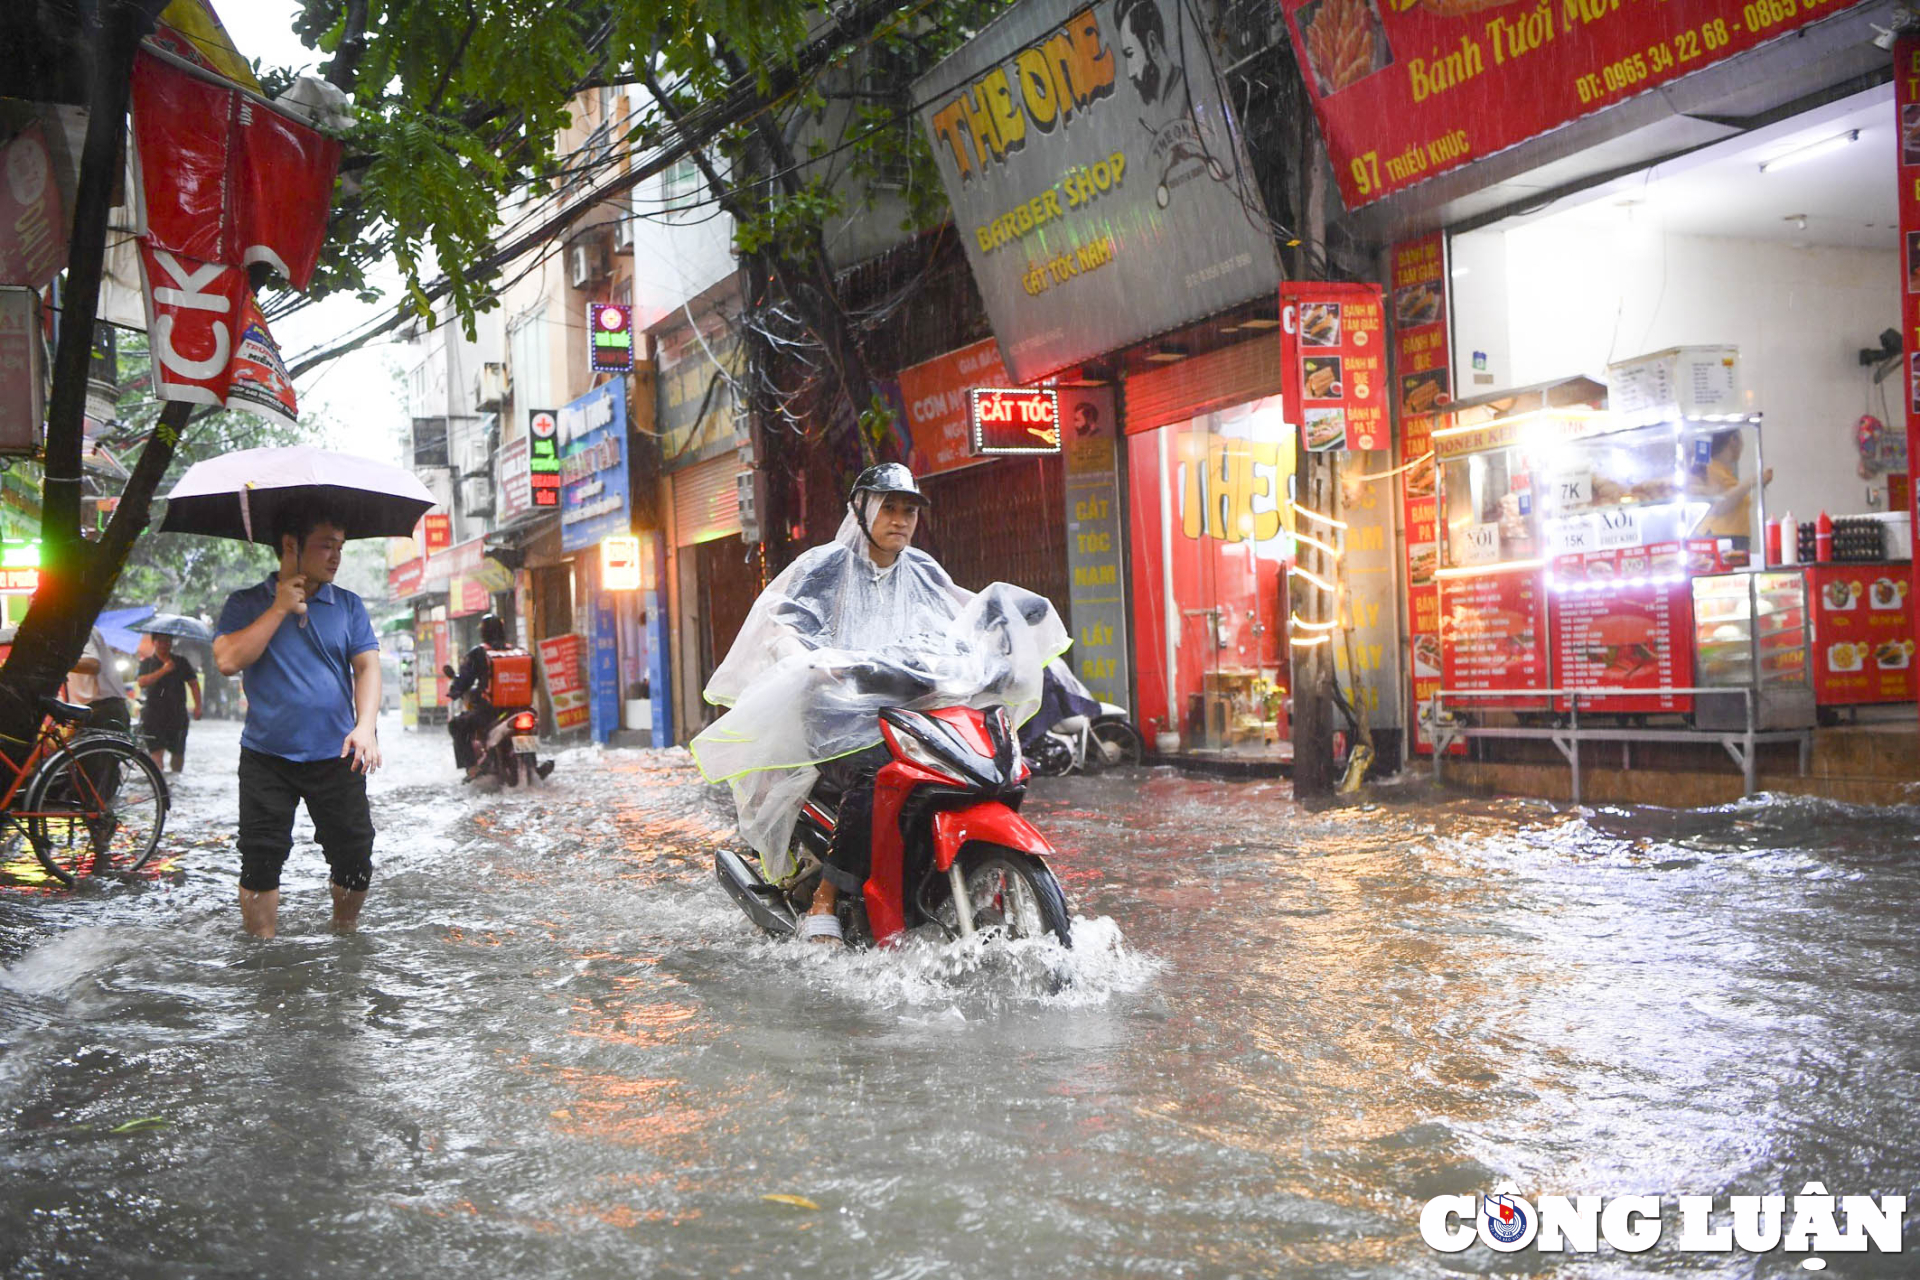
531	366
681	186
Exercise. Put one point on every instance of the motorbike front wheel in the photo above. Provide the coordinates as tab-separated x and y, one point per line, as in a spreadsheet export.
1115	742
1010	891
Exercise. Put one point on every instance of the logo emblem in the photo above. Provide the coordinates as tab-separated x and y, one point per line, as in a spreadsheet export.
1507	1217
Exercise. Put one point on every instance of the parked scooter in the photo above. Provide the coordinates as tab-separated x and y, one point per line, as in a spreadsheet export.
507	748
1075	732
950	854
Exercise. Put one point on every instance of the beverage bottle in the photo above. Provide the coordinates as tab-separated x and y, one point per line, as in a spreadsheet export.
1789	539
1823	538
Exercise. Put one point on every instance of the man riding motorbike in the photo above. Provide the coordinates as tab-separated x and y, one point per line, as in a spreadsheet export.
864	622
474	681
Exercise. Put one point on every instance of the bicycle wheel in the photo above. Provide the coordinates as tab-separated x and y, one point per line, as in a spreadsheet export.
1010	891
99	805
1116	743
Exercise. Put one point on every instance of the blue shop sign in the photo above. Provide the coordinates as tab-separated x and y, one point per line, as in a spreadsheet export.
593	467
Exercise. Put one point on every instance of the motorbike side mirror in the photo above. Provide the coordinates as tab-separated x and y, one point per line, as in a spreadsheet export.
448	671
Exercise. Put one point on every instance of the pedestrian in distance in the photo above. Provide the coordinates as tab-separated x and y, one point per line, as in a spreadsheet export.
312	681
165	680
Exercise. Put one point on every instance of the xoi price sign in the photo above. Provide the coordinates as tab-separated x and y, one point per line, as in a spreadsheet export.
543	456
610	331
1015	420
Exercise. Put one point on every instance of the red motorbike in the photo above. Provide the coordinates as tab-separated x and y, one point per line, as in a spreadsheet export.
950	851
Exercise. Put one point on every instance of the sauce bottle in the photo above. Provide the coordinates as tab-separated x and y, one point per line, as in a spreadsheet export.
1823	538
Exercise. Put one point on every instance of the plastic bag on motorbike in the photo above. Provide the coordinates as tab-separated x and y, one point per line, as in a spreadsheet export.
834	639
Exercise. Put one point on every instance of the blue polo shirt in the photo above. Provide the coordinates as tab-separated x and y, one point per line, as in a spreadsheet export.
300	689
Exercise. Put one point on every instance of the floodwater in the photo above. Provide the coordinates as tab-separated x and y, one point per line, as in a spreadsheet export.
556	1049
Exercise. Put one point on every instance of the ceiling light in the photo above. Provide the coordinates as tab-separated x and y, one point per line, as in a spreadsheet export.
1808	152
1166	354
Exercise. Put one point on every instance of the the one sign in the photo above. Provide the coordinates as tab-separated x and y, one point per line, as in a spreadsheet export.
1100	183
593	466
23	381
1333	356
936	396
1096	592
610	335
620	563
1014	420
543	457
1408	91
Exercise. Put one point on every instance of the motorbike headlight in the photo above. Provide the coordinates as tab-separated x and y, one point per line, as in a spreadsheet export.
923	755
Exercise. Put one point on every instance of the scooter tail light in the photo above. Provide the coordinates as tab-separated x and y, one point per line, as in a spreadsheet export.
524	722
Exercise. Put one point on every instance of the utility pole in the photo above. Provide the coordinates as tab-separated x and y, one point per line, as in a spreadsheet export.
1315	775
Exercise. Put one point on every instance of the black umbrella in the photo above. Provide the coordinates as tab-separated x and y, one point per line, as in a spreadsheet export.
177	625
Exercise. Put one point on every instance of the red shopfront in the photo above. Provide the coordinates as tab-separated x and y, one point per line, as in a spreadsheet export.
1210	467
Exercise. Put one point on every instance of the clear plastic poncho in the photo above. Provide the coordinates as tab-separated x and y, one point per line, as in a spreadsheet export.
834	639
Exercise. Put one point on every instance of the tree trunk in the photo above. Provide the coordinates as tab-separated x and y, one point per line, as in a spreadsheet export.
77	576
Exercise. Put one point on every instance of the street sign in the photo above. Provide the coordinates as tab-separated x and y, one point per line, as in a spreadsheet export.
543	456
610	333
1015	420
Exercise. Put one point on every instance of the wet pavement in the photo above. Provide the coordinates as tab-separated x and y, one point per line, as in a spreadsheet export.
557	1049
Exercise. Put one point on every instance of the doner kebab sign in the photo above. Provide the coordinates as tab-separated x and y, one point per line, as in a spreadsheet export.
1101	188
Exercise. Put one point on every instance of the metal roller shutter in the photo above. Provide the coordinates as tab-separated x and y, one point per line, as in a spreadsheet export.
1232	375
706	501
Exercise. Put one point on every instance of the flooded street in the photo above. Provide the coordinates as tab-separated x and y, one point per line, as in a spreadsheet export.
558	1049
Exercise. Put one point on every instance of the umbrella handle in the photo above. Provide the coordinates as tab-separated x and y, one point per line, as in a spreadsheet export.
246	517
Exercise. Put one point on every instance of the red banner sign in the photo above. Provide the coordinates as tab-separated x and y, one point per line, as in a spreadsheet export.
33	227
1863	634
1408	89
406	578
1906	93
1333	357
935	392
210	341
566	682
1421	369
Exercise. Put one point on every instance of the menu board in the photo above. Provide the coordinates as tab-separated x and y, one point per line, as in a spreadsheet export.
1621	620
1493	636
1863	636
1333	356
1906	96
1423	558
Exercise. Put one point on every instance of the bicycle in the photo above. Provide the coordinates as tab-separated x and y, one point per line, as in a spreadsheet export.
88	802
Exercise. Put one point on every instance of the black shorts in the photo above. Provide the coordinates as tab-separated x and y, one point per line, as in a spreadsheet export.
169	738
336	799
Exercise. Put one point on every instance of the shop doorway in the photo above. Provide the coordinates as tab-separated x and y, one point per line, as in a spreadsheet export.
1212	542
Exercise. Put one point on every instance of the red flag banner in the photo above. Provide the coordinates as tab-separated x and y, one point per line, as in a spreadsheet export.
210	342
224	177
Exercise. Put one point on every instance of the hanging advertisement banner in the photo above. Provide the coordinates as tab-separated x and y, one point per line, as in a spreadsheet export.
1422	352
226	178
1096	592
1906	96
23	371
210	340
560	669
513	480
1100	184
936	393
1333	356
593	466
1408	90
543	457
33	224
694	398
1422	373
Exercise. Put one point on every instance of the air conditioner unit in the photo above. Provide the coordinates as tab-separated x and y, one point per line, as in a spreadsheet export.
623	232
585	264
490	386
476	494
472	454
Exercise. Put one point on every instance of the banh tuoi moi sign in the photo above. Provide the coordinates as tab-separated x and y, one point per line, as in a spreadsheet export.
1101	188
1408	89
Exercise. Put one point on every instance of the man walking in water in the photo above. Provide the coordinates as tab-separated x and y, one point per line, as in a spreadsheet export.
313	695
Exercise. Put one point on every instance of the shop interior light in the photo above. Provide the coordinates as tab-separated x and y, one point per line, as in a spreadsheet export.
1475	570
1800	155
1298	621
1307	642
1312	577
1316	543
1311	514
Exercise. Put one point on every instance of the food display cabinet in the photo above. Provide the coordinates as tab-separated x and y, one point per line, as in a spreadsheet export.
1752	633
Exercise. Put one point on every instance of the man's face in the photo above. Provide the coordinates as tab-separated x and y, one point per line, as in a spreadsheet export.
895	521
320	555
162	647
1141	58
